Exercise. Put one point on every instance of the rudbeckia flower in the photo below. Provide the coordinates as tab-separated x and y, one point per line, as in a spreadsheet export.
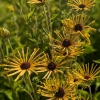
81	4
52	64
87	73
23	62
73	79
66	42
56	89
78	24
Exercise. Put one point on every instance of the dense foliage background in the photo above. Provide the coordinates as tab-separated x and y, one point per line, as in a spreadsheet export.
20	20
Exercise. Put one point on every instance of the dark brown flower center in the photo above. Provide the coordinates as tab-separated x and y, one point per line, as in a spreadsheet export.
86	77
53	87
75	79
25	65
60	93
64	54
40	0
66	43
78	27
82	6
51	66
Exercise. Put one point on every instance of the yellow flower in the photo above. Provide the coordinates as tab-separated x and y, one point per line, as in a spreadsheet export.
66	42
81	4
71	54
20	63
52	64
36	1
56	89
78	24
73	79
11	8
87	73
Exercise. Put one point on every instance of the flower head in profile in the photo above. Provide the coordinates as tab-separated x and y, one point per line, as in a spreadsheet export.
22	63
56	89
36	1
66	42
78	24
87	73
81	4
52	64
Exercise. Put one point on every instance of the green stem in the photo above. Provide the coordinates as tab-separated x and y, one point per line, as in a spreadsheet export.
27	88
29	94
90	92
49	18
36	21
15	95
21	11
34	94
10	45
45	14
36	25
2	53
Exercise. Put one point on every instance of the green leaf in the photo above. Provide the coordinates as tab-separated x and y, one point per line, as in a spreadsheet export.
84	94
88	49
33	40
54	16
18	5
16	84
96	96
8	93
97	61
30	15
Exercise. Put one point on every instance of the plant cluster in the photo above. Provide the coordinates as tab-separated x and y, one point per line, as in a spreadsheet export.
46	65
